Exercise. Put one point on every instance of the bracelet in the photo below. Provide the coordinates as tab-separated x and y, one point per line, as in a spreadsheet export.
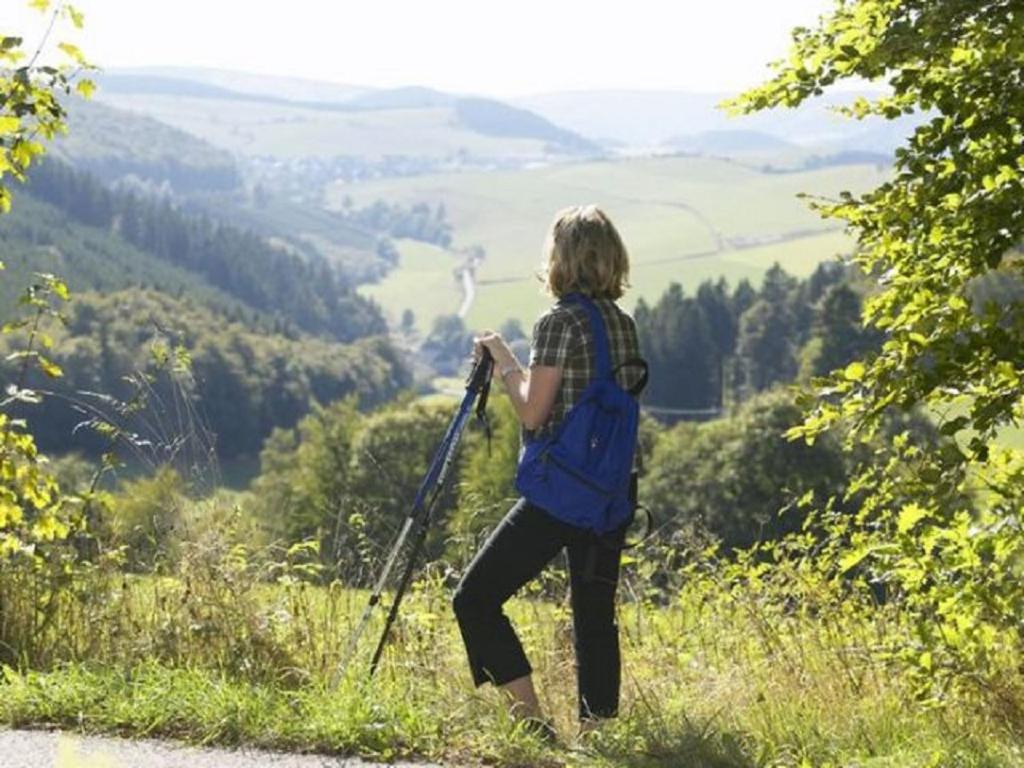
506	370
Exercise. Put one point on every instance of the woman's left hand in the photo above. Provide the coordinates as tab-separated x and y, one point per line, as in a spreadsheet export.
496	345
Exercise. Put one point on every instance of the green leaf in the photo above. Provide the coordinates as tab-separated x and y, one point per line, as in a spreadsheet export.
853	558
9	125
50	368
73	51
854	371
909	516
76	16
86	88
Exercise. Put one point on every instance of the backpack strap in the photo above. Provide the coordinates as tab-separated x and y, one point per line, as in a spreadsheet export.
635	362
602	353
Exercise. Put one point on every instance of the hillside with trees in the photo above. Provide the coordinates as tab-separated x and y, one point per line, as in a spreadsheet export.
242	381
308	293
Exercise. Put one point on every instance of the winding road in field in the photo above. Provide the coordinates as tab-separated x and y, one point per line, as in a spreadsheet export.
59	749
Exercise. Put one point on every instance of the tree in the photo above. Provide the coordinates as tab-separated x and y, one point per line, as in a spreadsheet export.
408	321
838	325
677	341
731	477
765	349
346	480
448	345
952	212
953	209
35	518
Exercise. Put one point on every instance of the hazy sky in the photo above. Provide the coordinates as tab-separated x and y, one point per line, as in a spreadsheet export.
501	48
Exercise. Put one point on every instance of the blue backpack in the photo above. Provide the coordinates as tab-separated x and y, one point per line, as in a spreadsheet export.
580	474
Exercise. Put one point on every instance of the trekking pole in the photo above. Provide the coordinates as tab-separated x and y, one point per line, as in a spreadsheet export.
478	385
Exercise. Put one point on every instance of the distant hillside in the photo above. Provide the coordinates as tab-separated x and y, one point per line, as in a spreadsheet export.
634	118
244	382
113	144
730	143
306	293
494	118
650	118
300	89
39	237
148	156
413	122
412	97
684	219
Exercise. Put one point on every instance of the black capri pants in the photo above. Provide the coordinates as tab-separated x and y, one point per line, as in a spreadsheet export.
526	540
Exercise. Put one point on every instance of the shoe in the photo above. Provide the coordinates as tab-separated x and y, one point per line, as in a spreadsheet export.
542	728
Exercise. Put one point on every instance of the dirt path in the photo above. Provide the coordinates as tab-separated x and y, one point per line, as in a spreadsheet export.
56	749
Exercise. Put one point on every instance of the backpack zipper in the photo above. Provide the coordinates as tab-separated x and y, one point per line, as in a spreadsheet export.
547	456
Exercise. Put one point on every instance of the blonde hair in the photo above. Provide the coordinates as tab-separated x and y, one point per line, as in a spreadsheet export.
583	252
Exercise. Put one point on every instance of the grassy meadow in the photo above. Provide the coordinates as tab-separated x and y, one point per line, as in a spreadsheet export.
728	668
684	219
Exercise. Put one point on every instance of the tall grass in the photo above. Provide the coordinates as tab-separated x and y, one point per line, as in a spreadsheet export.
732	665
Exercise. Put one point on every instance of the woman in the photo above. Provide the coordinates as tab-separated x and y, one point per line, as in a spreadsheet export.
584	254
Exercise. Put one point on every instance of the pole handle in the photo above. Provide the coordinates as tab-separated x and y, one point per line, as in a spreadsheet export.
480	376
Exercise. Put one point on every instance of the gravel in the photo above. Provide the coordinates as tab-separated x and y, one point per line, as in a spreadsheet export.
59	749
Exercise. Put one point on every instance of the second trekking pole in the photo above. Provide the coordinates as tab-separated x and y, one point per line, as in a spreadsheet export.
419	517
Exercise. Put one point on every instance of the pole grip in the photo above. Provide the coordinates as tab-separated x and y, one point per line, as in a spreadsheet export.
481	373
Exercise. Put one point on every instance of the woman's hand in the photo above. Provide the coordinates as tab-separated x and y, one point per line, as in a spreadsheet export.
532	391
499	349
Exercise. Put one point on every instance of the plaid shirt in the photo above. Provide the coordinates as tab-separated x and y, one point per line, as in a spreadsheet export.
562	338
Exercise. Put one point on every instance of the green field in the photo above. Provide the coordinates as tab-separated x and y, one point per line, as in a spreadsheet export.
424	283
684	219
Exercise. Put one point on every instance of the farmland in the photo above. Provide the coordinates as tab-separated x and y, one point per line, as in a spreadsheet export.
684	219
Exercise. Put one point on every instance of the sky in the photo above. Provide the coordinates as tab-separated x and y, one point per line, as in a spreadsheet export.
486	47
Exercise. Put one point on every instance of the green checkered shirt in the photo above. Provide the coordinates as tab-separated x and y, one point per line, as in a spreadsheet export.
562	338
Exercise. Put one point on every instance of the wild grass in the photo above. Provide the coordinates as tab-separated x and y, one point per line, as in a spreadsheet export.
767	669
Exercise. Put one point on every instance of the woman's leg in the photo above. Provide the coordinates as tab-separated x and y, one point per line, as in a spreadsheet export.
593	578
518	549
523	697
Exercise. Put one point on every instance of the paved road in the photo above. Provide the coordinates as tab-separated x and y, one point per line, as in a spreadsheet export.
55	749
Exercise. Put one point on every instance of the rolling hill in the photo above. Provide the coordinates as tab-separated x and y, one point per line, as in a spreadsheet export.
415	122
684	219
651	118
114	144
308	152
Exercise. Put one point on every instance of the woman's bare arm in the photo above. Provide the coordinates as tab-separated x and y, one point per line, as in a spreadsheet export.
532	391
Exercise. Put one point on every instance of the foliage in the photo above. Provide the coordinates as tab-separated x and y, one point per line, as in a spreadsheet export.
676	335
950	217
754	662
31	109
486	490
952	212
733	478
36	519
417	222
145	518
241	383
346	480
734	345
447	345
